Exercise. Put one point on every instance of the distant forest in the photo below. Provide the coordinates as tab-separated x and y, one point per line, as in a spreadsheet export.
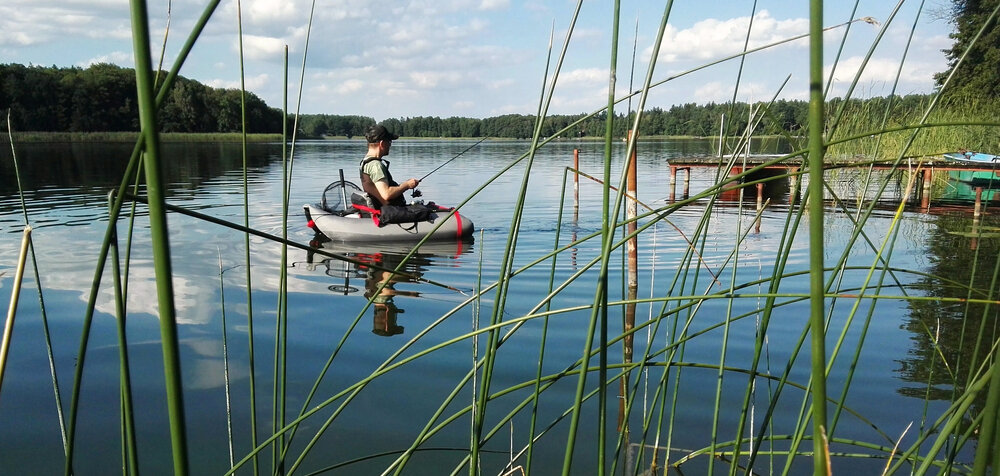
102	98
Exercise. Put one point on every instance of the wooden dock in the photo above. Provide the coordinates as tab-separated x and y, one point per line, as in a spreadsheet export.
763	166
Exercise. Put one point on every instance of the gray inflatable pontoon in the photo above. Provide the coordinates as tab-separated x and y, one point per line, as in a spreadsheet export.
356	228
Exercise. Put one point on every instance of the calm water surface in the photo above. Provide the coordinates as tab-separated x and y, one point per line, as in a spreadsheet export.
66	190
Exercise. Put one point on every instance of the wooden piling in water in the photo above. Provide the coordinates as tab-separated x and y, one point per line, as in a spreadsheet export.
632	246
760	206
576	177
925	193
979	202
673	182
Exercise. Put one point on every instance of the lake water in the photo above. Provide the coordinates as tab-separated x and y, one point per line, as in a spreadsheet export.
66	187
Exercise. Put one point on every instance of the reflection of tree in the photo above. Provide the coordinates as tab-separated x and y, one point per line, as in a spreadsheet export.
959	333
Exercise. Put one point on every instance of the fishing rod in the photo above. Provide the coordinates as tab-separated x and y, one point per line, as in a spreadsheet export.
453	158
416	193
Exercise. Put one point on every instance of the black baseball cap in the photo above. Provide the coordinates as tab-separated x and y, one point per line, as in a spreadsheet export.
378	133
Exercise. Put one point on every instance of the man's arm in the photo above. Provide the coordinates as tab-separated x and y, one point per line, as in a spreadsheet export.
387	193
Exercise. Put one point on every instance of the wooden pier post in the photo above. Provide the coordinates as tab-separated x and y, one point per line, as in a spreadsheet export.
687	182
979	202
793	192
576	182
974	240
631	212
760	206
925	193
673	184
632	248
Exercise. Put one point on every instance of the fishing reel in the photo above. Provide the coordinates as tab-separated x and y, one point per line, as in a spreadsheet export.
416	193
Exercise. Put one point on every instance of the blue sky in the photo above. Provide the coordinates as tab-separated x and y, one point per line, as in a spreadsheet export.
481	58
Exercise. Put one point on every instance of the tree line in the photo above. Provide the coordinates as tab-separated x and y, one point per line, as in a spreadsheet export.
696	120
102	98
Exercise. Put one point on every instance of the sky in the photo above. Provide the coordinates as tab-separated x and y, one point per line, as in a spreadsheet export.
482	58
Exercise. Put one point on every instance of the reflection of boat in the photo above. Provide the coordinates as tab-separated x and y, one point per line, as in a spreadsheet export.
977	178
337	218
964	191
375	264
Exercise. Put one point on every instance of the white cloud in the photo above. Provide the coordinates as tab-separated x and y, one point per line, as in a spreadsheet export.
713	38
882	73
271	11
713	91
583	77
26	22
263	47
251	82
494	4
115	57
350	86
434	79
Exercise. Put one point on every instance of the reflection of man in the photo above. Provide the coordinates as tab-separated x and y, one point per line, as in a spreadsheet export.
385	310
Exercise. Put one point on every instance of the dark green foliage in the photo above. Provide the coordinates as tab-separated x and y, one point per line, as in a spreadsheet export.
101	98
320	125
977	76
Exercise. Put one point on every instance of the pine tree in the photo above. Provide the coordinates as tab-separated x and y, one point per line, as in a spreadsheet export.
978	76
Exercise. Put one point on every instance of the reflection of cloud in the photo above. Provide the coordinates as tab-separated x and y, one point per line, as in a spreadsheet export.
192	302
204	367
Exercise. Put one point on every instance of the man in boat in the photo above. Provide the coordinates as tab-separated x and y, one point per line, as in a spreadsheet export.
375	177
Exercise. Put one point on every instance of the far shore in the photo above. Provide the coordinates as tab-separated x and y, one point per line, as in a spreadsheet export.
23	137
56	137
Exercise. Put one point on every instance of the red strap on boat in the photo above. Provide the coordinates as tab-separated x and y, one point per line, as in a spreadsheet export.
458	225
371	211
458	219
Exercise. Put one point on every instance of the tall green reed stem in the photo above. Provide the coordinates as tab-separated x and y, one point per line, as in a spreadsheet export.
159	236
41	295
815	202
130	447
251	352
130	171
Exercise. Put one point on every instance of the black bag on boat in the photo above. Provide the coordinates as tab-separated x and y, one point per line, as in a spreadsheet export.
362	203
405	214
